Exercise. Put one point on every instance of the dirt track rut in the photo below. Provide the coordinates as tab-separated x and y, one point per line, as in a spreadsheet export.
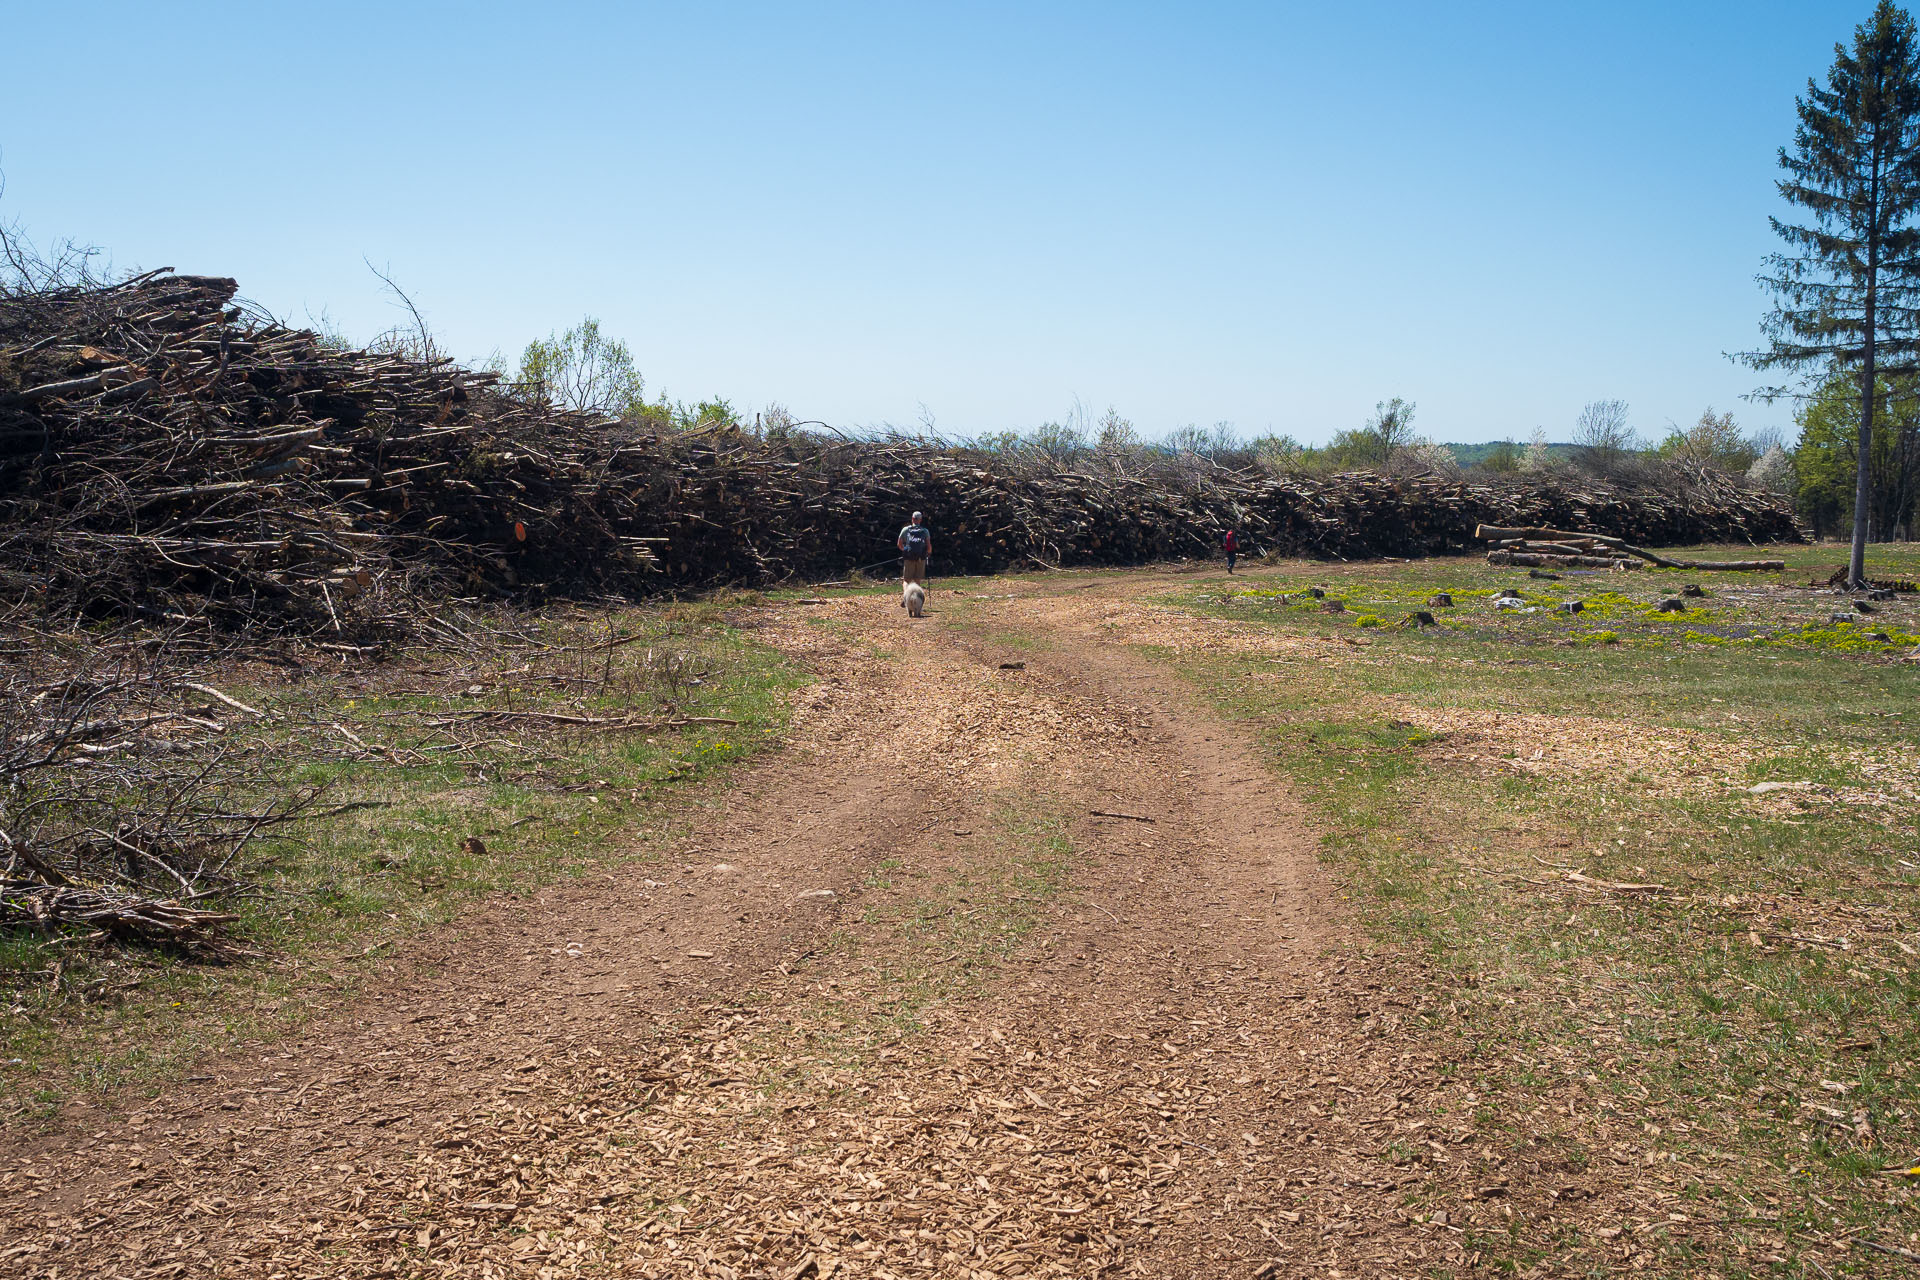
869	1018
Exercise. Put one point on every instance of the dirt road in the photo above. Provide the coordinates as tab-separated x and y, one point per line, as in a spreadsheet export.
998	970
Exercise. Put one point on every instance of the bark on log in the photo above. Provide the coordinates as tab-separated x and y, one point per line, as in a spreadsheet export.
1488	532
1541	560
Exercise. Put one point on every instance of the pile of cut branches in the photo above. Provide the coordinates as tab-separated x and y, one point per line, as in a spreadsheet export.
124	805
165	454
732	508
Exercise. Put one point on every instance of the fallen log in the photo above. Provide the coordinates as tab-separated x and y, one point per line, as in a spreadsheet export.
1552	548
1729	566
1542	560
1494	533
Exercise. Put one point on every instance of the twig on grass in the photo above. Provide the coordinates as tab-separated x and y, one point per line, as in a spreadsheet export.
599	722
349	807
1893	1250
218	696
1615	886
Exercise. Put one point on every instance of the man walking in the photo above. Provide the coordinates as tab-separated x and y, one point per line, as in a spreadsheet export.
1232	544
916	547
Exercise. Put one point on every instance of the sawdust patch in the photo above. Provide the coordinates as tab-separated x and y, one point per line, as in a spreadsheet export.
1184	634
1663	761
971	720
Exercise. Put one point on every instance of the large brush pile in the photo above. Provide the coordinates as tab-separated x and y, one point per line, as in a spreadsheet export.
745	510
165	454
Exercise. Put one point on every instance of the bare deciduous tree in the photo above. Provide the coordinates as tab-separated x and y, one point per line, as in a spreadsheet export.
1603	437
1387	433
1392	426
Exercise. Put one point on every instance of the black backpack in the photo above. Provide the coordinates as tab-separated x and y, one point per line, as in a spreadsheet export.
917	542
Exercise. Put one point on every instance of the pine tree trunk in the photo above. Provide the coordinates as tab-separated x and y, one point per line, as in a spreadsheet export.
1863	473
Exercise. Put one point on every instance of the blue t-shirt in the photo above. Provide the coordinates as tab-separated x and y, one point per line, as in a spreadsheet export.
907	541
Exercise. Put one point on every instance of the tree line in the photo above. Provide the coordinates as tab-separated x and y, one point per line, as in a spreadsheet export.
583	368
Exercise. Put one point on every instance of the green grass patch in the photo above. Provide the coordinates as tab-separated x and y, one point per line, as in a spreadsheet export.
1746	1033
450	808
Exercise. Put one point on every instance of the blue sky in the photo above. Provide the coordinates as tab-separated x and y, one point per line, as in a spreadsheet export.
1269	214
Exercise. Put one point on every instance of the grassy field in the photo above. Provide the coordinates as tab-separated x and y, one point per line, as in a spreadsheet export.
1663	866
446	775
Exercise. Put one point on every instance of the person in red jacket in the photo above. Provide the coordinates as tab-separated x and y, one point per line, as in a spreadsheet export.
1232	544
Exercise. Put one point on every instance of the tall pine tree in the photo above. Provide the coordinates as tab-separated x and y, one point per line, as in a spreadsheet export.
1848	290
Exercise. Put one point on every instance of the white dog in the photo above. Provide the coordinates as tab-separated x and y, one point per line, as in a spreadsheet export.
914	596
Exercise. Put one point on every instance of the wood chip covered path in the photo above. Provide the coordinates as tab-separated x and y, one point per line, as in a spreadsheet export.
923	996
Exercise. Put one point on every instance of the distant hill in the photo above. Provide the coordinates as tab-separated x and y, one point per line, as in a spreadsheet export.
1472	455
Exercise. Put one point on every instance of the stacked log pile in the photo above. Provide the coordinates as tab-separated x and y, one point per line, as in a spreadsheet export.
1540	548
166	454
1562	550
